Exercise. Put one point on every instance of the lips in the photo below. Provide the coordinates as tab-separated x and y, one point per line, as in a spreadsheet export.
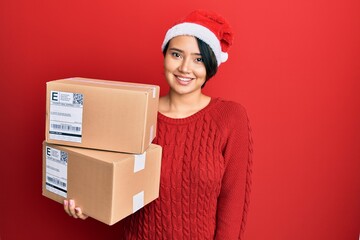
183	80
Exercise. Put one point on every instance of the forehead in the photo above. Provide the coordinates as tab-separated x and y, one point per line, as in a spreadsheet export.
185	43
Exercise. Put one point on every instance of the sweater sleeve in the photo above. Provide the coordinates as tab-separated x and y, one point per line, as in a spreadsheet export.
233	201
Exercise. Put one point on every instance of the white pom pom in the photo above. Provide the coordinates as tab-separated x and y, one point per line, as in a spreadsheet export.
224	57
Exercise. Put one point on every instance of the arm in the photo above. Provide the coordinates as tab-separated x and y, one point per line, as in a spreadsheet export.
233	201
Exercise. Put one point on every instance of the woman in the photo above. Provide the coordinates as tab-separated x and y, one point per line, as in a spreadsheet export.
206	165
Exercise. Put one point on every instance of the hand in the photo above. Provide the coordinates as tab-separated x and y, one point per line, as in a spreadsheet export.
71	210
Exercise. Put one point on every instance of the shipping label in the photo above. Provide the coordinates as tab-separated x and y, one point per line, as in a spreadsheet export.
66	110
56	171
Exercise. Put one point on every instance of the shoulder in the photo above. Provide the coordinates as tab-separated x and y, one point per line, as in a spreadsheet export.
231	109
229	115
232	118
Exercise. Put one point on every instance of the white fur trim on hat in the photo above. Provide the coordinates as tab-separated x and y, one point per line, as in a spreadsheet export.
200	32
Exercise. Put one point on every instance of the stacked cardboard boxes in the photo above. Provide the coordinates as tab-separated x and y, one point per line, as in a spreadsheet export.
98	146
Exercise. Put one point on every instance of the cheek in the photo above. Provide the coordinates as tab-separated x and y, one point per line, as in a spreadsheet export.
168	66
169	63
167	71
200	72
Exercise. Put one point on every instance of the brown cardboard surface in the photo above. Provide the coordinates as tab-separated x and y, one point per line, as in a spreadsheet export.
115	116
104	183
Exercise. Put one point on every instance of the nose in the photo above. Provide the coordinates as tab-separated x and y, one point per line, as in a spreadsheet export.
185	65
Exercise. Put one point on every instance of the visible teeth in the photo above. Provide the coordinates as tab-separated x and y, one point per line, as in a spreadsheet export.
184	79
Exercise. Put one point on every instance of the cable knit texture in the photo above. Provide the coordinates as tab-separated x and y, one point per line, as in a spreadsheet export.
205	177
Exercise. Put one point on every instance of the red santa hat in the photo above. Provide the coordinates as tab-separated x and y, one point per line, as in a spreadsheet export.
208	26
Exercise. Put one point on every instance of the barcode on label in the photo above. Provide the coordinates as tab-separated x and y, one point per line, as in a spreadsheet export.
66	127
56	182
78	99
63	157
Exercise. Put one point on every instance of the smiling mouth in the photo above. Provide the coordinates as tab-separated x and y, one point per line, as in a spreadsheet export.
183	80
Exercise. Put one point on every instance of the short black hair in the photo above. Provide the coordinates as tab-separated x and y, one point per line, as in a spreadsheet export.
208	57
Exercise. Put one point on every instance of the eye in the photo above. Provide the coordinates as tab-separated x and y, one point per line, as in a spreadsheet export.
175	54
199	60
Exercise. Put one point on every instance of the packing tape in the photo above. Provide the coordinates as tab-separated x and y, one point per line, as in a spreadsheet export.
139	162
153	88
138	201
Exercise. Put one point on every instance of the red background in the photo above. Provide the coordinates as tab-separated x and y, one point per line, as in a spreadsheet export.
295	65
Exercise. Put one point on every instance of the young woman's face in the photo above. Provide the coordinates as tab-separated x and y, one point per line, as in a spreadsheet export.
184	69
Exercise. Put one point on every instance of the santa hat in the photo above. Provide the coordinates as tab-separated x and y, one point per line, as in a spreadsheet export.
207	26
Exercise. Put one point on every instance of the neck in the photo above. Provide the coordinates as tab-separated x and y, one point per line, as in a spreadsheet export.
180	106
177	101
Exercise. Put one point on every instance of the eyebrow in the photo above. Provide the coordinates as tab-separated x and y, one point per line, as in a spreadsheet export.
179	50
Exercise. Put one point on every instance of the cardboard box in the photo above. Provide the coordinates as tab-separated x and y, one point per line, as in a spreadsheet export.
108	186
101	114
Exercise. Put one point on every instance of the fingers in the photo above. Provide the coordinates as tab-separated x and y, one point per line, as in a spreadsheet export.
69	207
71	210
79	213
66	207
